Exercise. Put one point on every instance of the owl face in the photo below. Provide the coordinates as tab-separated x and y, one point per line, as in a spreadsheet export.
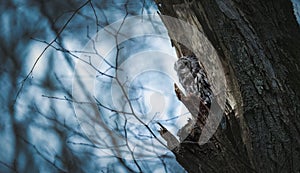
182	66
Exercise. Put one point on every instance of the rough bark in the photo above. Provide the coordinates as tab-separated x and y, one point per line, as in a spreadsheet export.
258	43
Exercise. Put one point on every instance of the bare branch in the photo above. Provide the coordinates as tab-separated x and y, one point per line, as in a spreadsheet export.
8	166
41	155
42	53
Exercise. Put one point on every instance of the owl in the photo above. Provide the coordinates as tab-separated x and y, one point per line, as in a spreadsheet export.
198	97
194	80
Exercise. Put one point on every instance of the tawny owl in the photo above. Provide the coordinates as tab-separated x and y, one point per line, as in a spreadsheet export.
198	97
194	80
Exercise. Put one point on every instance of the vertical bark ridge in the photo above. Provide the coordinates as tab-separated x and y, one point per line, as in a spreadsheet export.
258	44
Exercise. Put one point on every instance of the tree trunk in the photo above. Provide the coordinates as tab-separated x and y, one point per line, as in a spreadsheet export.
258	43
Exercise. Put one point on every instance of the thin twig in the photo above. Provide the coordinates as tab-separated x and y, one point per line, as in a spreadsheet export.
8	166
46	48
41	155
85	102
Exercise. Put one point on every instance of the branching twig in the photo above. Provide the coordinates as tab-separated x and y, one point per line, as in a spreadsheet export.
41	155
86	102
77	57
93	145
8	166
46	48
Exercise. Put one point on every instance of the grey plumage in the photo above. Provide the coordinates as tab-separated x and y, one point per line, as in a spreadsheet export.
198	97
193	78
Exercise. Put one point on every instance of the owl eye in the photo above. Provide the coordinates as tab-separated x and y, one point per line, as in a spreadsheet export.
182	66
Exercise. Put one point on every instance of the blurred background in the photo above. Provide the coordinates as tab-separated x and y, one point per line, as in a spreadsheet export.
41	43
